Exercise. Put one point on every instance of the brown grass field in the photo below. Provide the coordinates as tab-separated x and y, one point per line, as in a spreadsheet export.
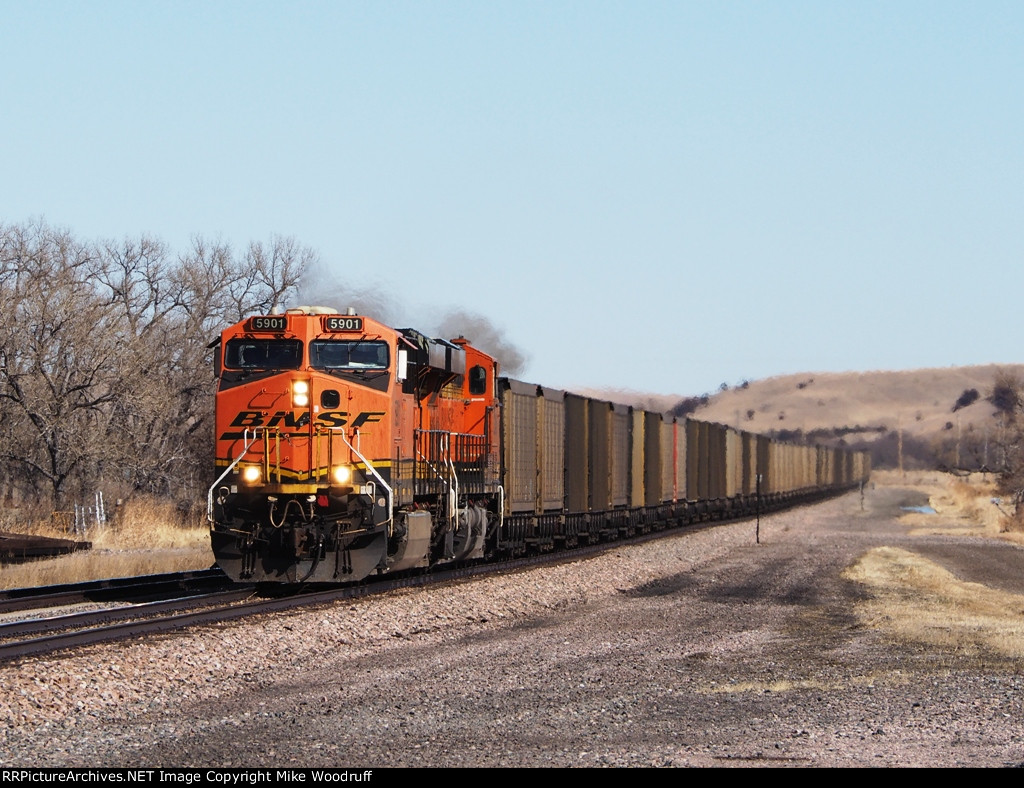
144	537
918	405
920	402
915	599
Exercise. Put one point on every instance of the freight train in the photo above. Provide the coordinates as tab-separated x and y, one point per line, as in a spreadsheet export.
346	448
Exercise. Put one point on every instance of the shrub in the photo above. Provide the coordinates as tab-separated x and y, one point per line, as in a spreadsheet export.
968	397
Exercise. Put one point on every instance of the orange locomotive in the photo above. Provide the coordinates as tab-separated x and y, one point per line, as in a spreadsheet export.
345	448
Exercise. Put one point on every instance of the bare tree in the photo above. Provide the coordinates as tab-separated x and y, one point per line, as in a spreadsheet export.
161	388
274	273
106	373
59	356
1007	396
167	407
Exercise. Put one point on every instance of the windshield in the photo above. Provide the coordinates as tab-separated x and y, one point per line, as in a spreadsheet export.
263	354
335	354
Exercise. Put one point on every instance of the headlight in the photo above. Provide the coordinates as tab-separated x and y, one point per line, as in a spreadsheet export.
342	474
251	474
300	393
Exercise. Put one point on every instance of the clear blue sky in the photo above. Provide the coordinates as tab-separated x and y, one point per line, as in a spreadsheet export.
661	196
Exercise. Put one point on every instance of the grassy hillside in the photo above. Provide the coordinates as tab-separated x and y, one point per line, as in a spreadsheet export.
926	417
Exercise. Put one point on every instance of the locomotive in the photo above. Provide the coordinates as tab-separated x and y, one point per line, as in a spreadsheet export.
346	448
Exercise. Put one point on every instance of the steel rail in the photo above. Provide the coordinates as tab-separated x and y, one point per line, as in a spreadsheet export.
91	618
114	589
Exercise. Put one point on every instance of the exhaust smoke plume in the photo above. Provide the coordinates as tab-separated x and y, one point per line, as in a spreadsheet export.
482	333
320	287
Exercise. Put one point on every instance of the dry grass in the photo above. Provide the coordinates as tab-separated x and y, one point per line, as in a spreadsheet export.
915	599
101	565
738	687
963	504
142	537
918	402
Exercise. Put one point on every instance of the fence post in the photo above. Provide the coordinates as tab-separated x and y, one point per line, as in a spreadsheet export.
757	529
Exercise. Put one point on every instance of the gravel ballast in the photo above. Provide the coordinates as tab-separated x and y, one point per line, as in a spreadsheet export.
701	649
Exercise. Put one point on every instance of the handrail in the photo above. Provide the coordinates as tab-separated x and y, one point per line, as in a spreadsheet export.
433	468
453	499
377	476
247	442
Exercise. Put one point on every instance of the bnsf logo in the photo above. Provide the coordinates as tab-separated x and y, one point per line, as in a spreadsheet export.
285	418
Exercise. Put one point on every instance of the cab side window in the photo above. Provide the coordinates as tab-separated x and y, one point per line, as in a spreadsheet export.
478	380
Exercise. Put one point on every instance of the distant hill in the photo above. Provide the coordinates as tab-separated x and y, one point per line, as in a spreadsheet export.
926	417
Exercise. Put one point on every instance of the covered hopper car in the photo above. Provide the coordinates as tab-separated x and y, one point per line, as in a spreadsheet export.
346	448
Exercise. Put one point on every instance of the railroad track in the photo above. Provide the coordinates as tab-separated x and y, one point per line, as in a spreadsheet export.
188	608
59	633
125	589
